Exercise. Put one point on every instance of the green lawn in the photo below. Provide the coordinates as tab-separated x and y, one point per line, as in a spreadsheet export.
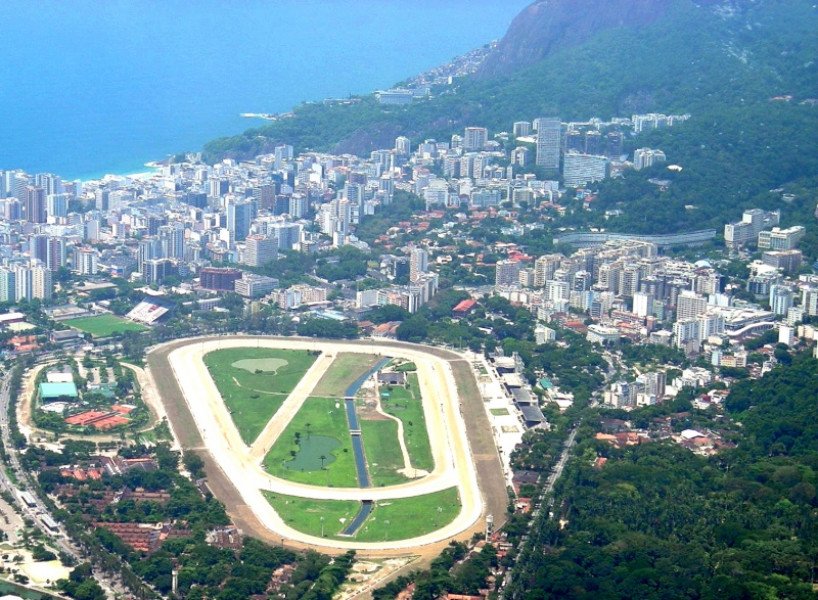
104	325
407	406
326	418
406	367
254	382
383	453
499	412
390	520
343	372
304	514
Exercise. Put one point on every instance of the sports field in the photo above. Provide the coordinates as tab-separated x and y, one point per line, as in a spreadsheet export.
406	404
254	382
294	455
390	520
101	326
343	372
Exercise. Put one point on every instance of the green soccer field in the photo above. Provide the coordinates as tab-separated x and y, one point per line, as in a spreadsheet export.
101	326
254	382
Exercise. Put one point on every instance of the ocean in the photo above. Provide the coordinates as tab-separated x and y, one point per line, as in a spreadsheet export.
90	87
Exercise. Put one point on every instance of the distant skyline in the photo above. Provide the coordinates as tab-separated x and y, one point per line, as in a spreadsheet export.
90	88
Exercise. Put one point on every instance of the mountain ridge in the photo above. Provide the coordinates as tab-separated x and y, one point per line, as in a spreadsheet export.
546	25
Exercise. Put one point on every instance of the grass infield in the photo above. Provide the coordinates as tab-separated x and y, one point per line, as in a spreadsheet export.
390	520
406	405
342	373
323	417
254	382
383	453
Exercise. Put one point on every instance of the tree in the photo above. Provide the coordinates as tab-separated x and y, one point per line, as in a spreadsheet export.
413	329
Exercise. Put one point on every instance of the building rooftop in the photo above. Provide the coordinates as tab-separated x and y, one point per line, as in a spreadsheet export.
58	390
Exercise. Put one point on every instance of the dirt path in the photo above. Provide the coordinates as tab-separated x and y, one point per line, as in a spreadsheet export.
408	470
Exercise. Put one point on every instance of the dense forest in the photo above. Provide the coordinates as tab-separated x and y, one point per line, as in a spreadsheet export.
658	521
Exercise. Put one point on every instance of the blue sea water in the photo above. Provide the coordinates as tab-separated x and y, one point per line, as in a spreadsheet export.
92	87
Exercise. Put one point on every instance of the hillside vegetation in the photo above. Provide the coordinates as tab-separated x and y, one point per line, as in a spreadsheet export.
660	522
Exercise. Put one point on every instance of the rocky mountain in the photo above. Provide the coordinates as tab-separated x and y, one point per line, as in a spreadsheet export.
547	25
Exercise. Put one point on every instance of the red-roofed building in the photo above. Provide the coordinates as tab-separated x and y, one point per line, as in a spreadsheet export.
464	307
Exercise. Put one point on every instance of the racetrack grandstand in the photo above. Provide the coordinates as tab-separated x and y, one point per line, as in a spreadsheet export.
148	311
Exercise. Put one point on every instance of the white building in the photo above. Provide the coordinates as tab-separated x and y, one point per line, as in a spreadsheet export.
647	157
549	140
581	169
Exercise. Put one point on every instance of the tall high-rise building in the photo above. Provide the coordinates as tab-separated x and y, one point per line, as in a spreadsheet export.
475	138
283	153
172	240
259	250
149	249
507	272
614	144
647	157
418	263
781	297
86	261
22	283
403	146
581	169
629	279
545	267
8	284
689	305
593	142
55	258
38	247
41	283
809	301
548	143
264	195
521	128
574	140
643	304
287	235
34	204
56	205
239	217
